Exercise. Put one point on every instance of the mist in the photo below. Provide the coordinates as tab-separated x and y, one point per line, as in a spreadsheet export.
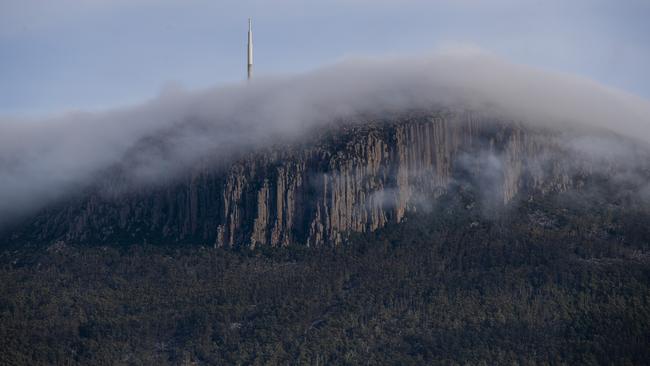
42	160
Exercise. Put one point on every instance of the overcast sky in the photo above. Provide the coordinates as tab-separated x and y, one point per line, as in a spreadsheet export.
63	55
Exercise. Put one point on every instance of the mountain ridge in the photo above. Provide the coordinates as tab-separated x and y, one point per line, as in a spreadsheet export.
354	177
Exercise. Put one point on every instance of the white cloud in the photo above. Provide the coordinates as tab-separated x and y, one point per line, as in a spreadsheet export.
42	160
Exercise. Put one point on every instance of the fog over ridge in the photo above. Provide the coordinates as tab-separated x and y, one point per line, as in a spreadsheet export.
41	160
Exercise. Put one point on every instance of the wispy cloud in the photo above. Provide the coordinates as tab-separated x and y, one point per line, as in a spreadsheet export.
41	160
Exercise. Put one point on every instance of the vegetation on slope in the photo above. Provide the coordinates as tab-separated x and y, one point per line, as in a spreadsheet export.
563	279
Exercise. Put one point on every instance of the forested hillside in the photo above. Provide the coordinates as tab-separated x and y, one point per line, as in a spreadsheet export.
563	279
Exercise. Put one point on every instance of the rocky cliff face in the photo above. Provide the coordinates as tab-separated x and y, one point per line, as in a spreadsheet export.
355	178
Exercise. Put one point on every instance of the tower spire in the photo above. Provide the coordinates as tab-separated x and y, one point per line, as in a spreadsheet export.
250	48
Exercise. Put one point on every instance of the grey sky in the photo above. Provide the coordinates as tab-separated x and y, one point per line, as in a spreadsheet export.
95	54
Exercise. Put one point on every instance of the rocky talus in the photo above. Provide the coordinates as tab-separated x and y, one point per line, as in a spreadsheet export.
355	178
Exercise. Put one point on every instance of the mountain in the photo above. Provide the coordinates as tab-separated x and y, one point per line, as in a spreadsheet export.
354	177
443	238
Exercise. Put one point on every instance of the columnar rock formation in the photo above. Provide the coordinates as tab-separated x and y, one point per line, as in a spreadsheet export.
355	179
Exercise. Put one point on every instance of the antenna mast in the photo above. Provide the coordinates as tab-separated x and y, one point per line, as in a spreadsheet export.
250	48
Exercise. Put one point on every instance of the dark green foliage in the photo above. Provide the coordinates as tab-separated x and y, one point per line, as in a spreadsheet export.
559	280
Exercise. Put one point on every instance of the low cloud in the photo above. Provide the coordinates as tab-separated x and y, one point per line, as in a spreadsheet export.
42	160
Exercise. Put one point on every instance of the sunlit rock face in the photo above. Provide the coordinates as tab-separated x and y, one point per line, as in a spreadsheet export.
355	177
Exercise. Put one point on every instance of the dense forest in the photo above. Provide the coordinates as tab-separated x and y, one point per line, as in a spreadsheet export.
557	280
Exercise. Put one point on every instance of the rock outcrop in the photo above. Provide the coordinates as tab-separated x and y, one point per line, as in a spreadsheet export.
355	178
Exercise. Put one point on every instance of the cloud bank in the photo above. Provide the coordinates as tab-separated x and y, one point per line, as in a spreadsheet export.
42	160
